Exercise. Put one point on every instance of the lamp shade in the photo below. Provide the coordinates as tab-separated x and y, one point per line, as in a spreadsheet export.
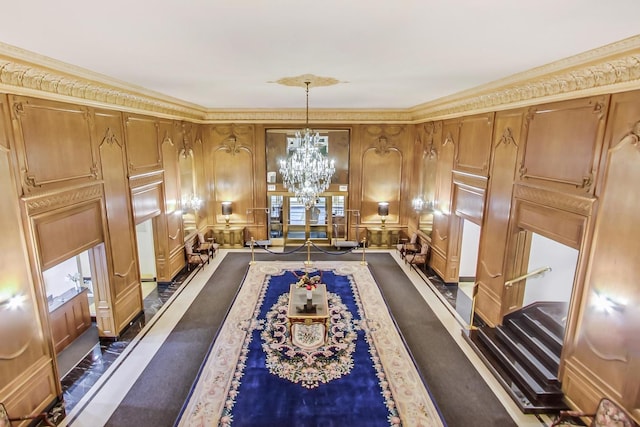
383	208
226	208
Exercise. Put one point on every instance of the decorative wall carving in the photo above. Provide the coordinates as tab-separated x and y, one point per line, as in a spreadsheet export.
563	201
46	202
110	138
536	85
507	138
597	71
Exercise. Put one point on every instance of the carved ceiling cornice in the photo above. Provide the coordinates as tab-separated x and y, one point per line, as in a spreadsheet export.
30	74
609	69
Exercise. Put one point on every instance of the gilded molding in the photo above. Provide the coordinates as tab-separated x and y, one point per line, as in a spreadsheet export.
332	116
572	203
32	74
50	201
608	69
301	81
574	77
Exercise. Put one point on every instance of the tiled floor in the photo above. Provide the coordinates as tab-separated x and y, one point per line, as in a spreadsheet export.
88	371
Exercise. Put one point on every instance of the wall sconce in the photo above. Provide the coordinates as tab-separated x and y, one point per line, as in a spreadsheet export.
420	205
606	304
417	204
14	302
226	211
194	202
383	211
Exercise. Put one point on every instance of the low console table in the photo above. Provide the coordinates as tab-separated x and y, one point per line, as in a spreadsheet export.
382	237
308	329
229	237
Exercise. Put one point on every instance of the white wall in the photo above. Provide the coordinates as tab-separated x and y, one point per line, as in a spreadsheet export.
469	249
555	285
55	278
146	251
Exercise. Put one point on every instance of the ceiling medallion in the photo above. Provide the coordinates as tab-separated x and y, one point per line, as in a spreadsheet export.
313	80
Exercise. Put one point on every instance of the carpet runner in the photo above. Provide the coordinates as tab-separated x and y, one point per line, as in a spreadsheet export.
362	375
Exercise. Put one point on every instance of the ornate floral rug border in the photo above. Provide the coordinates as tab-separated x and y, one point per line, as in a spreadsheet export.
207	400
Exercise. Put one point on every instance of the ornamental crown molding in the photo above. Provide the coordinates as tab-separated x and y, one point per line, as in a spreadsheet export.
608	69
27	73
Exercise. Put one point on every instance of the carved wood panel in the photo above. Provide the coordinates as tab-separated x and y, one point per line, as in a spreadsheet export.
608	339
493	241
23	347
147	201
5	124
54	144
123	253
382	164
62	234
446	156
170	151
563	144
143	144
444	188
234	175
474	144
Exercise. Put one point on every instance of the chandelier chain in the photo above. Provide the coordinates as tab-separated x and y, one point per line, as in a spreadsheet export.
307	171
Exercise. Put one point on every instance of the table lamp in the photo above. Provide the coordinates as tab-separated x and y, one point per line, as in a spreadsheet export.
383	211
226	211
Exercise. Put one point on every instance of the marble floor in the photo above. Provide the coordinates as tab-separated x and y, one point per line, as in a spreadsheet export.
77	382
107	373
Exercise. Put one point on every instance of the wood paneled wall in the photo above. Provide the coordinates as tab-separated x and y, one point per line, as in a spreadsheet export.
27	376
508	171
544	170
602	352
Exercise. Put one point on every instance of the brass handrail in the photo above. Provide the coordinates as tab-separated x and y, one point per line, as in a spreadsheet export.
541	270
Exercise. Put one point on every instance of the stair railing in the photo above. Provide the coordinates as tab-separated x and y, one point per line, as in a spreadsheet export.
535	273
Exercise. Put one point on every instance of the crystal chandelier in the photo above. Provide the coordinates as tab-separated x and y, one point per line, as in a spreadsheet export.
307	171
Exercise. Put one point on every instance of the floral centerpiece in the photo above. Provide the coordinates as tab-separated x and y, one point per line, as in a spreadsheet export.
310	283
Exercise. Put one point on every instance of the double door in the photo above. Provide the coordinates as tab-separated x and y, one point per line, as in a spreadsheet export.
304	224
290	219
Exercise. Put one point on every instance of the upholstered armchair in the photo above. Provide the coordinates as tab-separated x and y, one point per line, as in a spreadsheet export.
204	246
608	414
195	258
419	258
411	246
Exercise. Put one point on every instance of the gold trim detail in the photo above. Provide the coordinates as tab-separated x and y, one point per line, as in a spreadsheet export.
314	81
608	69
49	201
571	203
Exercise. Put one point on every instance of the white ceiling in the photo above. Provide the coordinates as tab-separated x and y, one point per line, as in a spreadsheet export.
386	54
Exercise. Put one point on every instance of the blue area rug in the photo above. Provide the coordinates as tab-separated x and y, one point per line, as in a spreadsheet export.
360	374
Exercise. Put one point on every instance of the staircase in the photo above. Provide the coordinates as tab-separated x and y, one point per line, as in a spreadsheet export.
524	354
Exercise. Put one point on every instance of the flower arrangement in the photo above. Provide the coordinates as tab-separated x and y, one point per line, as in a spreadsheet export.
310	283
75	278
